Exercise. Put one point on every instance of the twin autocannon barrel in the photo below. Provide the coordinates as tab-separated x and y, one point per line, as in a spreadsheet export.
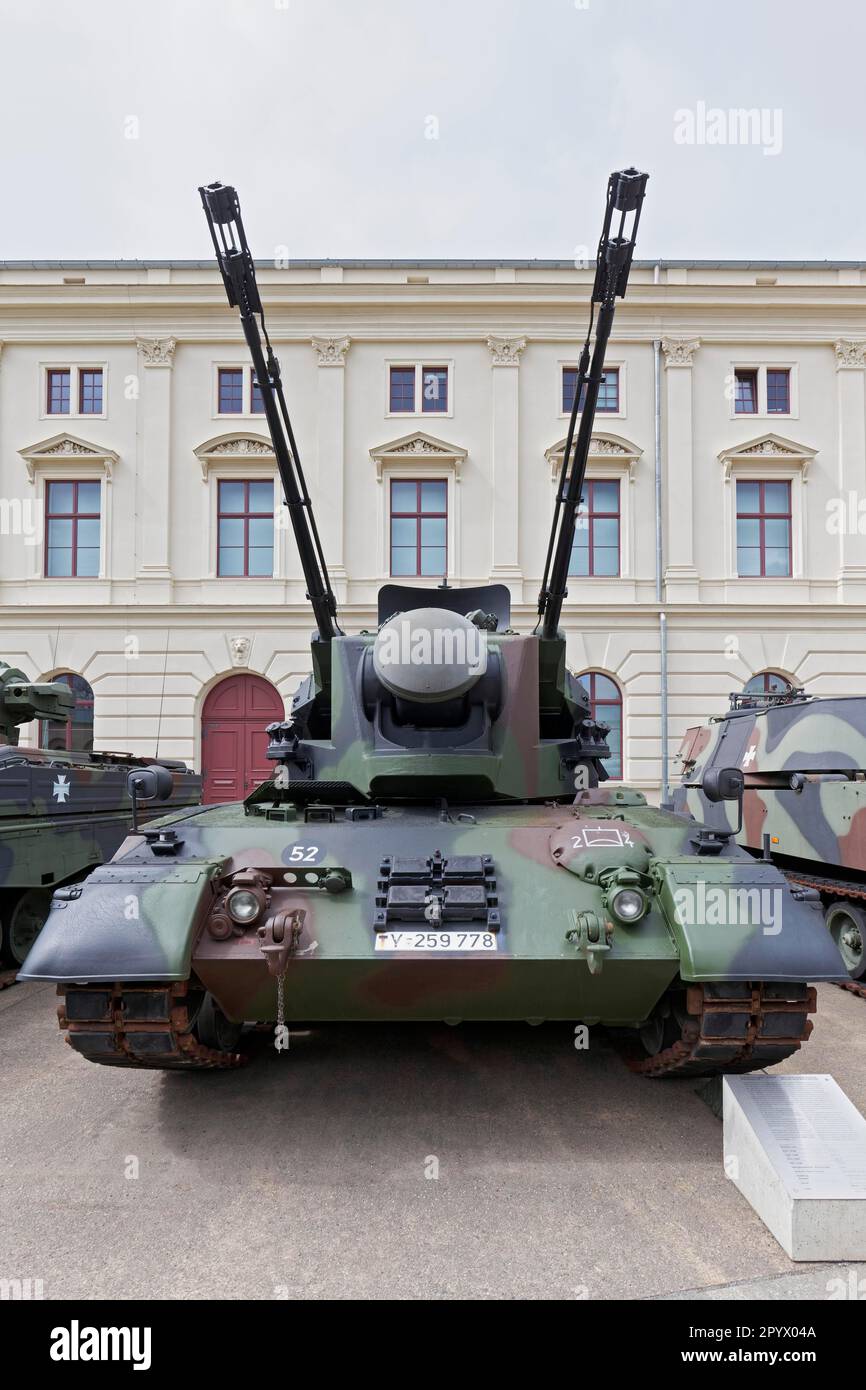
625	195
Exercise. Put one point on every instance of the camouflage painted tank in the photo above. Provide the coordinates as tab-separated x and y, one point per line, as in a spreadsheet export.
61	813
804	806
438	840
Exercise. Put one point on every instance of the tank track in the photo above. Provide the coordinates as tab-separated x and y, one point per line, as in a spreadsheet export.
8	977
132	1025
733	1027
840	889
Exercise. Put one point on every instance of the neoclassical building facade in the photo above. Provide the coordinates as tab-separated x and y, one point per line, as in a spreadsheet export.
145	555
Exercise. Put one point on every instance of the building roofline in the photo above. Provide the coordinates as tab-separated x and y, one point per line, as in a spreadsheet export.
423	263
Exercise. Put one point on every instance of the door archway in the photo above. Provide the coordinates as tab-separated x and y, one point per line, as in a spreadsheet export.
233	739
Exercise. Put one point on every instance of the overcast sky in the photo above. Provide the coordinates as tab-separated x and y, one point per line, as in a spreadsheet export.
321	113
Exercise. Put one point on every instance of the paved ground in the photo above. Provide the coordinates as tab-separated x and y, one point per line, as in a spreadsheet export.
560	1174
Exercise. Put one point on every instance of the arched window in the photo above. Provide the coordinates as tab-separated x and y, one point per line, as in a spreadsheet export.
605	703
76	735
767	683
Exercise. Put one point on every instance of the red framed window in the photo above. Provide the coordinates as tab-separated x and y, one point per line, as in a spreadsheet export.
401	395
75	734
767	683
778	391
257	405
608	391
230	391
745	393
245	529
419	528
764	529
605	705
434	390
595	550
72	522
90	391
58	387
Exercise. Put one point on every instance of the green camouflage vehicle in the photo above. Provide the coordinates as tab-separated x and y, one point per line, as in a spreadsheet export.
804	806
437	841
61	813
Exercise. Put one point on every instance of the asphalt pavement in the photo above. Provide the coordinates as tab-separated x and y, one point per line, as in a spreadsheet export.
384	1162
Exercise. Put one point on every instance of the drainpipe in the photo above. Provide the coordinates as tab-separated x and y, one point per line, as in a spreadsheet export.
663	635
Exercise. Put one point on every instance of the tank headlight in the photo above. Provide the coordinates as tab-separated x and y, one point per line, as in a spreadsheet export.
629	904
243	906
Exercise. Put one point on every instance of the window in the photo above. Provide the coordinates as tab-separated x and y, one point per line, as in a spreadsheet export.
72	520
415	389
74	391
746	393
75	734
257	405
230	391
595	550
435	388
608	391
778	391
764	529
90	391
764	390
245	529
58	391
767	683
419	525
605	706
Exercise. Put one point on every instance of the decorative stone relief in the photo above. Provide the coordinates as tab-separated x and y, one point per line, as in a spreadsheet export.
850	352
246	448
679	351
331	351
67	447
239	647
157	352
506	351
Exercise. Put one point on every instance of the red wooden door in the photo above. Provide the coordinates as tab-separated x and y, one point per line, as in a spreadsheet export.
233	738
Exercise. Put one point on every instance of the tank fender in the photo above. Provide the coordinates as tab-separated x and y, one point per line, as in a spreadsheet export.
126	921
736	920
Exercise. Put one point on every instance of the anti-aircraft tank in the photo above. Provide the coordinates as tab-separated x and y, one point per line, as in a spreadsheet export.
438	839
61	813
804	807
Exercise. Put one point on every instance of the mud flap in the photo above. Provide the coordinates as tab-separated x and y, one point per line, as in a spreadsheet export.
129	922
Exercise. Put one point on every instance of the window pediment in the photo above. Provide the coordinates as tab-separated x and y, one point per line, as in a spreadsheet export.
767	452
62	449
604	448
239	446
418	450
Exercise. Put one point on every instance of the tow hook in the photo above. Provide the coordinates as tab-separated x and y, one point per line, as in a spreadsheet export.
591	937
279	937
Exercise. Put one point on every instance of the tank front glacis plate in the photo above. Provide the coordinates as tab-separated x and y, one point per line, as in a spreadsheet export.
543	860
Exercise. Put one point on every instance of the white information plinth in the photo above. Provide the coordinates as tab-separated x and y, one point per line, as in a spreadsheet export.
795	1146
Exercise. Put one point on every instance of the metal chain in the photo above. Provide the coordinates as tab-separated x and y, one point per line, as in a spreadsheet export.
281	1032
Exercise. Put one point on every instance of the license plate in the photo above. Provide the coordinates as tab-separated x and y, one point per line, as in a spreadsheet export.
435	941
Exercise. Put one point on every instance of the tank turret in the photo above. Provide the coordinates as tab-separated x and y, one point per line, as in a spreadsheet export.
22	700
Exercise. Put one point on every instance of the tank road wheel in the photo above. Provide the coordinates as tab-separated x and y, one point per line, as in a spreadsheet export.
707	1029
213	1029
847	926
25	919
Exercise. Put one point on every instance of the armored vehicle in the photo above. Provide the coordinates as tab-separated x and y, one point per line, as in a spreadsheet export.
61	813
438	839
804	805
